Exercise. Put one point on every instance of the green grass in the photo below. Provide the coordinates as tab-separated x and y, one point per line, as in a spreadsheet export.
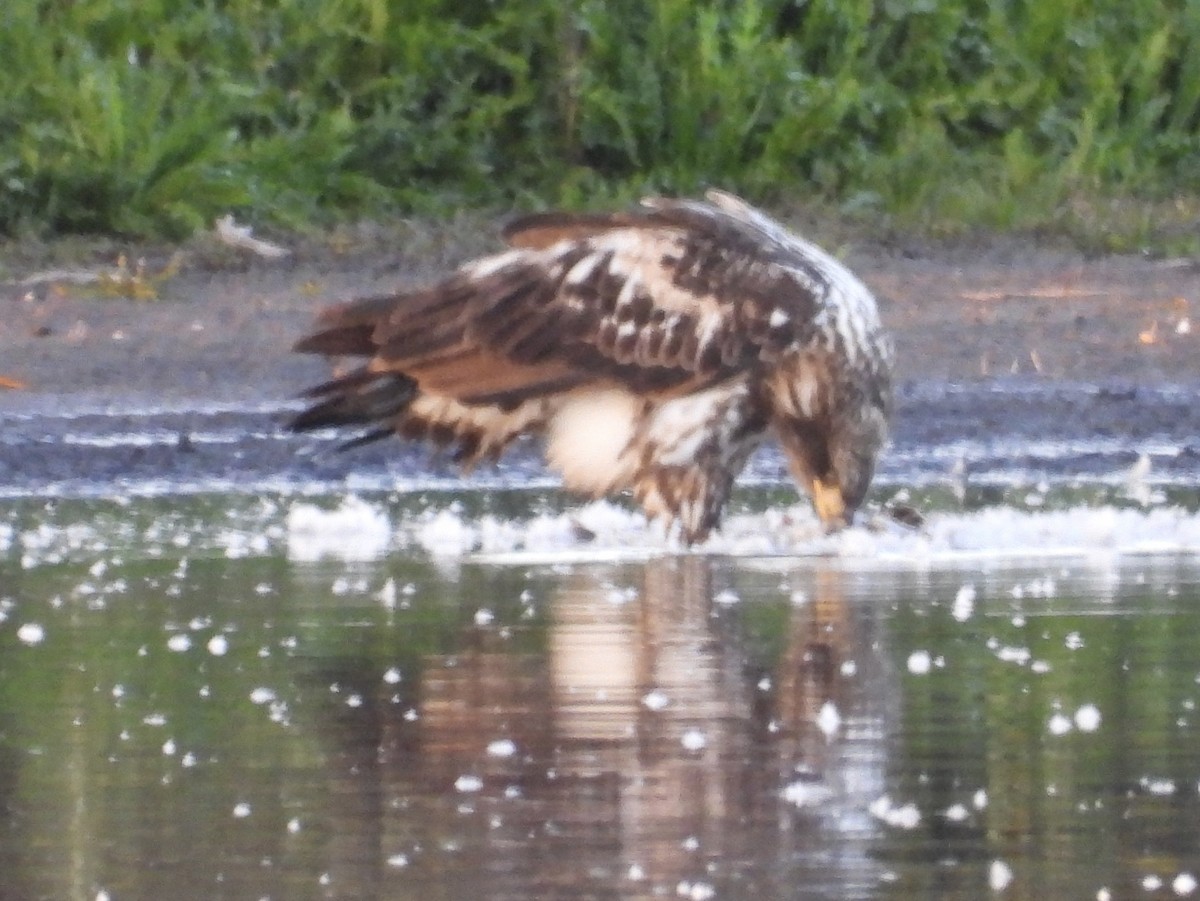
149	119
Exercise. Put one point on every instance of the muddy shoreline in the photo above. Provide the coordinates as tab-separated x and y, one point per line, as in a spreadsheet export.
1014	341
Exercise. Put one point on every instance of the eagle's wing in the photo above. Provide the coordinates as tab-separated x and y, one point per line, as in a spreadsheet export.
665	300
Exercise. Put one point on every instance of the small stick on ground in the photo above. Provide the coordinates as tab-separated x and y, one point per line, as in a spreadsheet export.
1034	294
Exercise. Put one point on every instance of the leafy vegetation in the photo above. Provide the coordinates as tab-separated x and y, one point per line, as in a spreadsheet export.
151	118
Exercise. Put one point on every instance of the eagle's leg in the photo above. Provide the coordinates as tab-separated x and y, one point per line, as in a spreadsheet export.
689	451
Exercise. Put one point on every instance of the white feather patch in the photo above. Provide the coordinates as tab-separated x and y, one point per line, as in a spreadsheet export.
583	270
498	426
490	265
680	427
807	391
588	436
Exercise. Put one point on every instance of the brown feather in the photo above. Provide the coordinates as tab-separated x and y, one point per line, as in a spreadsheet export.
480	377
537	231
339	341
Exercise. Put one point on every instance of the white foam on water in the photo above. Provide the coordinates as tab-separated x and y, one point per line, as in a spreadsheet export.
356	530
1000	875
31	633
1087	718
806	793
362	529
829	720
901	816
919	663
964	603
468	783
501	747
218	645
448	534
1000	533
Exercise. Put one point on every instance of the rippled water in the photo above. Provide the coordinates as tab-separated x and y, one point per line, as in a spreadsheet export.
189	708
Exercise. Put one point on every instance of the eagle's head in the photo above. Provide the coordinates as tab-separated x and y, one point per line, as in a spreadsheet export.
836	429
851	451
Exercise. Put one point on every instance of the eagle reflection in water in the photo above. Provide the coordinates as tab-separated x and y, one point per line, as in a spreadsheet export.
655	738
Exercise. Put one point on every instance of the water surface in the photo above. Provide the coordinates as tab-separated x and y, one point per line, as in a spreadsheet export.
189	709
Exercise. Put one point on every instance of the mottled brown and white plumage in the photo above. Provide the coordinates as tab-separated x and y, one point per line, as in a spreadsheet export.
653	350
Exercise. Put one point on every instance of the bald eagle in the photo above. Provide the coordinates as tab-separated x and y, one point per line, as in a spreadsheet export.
652	350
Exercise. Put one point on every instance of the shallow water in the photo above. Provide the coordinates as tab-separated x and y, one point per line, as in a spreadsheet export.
1002	434
198	701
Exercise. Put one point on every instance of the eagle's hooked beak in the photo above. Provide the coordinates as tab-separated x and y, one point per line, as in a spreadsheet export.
830	505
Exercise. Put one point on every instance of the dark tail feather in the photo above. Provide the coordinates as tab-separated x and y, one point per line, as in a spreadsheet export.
360	398
367	438
341	383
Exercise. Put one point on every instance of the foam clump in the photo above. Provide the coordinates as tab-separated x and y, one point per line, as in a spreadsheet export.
598	527
1081	529
997	532
353	531
447	534
356	530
